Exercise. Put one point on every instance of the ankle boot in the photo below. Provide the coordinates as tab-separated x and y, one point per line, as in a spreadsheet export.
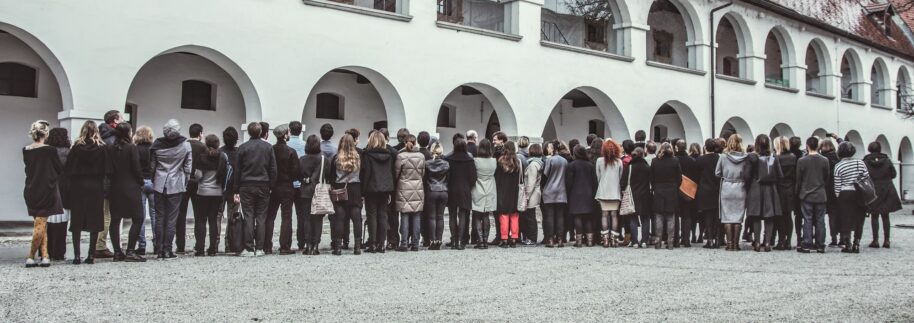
856	247
846	246
577	240
549	243
336	248
358	247
590	240
605	242
627	240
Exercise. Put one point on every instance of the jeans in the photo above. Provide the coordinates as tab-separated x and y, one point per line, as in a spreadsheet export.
376	212
482	225
281	199
206	212
409	228
148	200
554	221
435	203
813	216
254	200
166	217
508	223
458	221
664	224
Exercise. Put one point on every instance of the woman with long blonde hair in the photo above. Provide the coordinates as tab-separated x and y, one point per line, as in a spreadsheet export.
377	186
734	170
87	168
346	166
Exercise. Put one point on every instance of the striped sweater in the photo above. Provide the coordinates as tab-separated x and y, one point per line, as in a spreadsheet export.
848	171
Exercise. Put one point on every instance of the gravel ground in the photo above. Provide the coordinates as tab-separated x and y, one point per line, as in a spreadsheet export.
523	284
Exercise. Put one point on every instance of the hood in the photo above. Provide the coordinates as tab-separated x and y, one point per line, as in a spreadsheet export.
737	157
437	166
105	131
378	154
168	142
460	158
877	160
531	160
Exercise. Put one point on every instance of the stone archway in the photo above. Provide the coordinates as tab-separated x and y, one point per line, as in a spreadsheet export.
737	125
582	111
480	107
674	119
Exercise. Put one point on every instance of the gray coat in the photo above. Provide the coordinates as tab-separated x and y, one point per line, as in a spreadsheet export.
610	179
533	182
484	194
410	171
554	174
734	170
171	163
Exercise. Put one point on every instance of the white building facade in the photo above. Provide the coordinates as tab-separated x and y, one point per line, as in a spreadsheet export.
537	68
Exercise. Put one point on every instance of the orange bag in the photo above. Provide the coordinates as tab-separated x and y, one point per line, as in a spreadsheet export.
688	188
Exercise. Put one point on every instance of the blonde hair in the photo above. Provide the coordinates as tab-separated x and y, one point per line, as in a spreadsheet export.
826	145
143	135
436	150
89	134
666	150
376	140
39	130
348	159
782	145
734	144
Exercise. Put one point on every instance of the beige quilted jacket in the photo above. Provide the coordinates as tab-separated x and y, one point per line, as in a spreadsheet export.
410	170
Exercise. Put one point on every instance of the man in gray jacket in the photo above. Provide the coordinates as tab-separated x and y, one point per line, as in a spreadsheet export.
171	161
813	172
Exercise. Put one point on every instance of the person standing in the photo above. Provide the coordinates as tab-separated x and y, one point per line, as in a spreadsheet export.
42	196
581	185
507	180
230	207
763	202
312	166
126	192
460	184
851	208
87	169
327	146
377	178
472	148
210	190
707	197
687	206
666	177
59	138
106	131
827	150
533	192
813	175
409	170
787	190
883	173
485	196
297	143
346	166
638	174
609	193
143	138
437	170
255	174
282	193
198	148
172	162
555	197
735	172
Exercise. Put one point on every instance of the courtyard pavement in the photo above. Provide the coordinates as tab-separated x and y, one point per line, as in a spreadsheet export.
522	284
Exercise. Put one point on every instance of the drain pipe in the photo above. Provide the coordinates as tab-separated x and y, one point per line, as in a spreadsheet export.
714	68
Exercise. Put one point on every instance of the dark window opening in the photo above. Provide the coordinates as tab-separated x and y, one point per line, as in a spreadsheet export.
446	117
379	125
330	106
18	80
130	110
663	46
596	35
597	127
730	66
198	95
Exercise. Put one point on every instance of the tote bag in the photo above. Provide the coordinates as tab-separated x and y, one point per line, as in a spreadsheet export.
521	192
864	185
320	202
627	206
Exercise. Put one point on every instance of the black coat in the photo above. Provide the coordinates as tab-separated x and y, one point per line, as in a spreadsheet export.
461	180
762	198
126	182
689	169
87	167
286	165
145	158
63	183
640	173
581	186
882	172
42	173
506	184
377	173
831	205
666	176
787	186
310	172
708	195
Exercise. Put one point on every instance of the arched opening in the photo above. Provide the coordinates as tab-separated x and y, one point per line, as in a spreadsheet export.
476	106
817	68
29	91
879	77
675	120
906	169
851	83
778	52
588	24
737	125
884	144
732	43
671	38
353	97
904	96
188	87
781	130
583	111
820	133
854	137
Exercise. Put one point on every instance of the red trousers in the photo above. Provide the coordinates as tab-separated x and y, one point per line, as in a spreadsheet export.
509	221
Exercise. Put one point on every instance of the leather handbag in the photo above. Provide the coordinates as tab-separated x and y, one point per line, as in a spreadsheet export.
627	205
521	190
340	195
688	188
321	204
867	190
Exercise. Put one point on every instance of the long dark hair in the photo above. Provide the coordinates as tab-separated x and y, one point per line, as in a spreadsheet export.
58	137
212	145
508	159
123	134
484	149
313	145
763	145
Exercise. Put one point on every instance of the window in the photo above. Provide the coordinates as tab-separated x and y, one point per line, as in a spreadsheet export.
730	65
597	127
596	31
447	117
379	125
386	5
130	112
330	106
18	80
663	46
197	95
450	11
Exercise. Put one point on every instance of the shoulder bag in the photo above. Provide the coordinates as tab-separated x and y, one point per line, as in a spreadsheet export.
627	205
522	191
864	186
321	204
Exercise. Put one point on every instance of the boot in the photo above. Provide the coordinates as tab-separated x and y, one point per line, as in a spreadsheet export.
337	251
577	240
605	241
512	243
874	244
589	239
561	243
358	247
550	243
627	240
886	244
847	246
856	247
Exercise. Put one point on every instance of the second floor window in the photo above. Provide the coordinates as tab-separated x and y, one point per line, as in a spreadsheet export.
330	106
18	80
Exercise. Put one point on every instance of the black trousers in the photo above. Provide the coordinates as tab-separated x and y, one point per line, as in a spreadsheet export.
281	199
684	218
852	215
206	212
554	220
712	224
874	224
528	225
346	214
57	240
376	212
459	223
181	222
393	223
302	219
433	209
482	224
254	203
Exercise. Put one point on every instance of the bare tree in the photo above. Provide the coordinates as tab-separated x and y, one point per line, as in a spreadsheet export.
593	10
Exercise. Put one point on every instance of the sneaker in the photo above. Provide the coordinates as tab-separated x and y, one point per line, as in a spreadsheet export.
133	257
528	242
259	253
30	263
245	253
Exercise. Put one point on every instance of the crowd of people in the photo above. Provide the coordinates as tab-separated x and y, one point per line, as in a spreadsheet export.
636	194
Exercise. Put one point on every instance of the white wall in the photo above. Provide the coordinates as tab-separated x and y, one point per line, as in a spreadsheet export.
18	113
468	115
361	103
673	124
156	91
573	123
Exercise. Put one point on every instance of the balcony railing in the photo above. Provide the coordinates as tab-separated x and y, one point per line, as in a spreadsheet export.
384	5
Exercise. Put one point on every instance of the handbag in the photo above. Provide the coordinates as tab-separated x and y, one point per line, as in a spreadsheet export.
627	205
521	191
867	190
341	194
688	188
321	204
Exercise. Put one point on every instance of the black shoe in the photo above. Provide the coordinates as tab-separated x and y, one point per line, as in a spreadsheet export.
345	245
496	242
402	248
133	257
161	256
512	243
77	261
337	252
170	255
371	248
461	246
199	253
528	242
119	256
855	248
802	250
414	248
140	252
89	261
211	253
426	243
820	250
